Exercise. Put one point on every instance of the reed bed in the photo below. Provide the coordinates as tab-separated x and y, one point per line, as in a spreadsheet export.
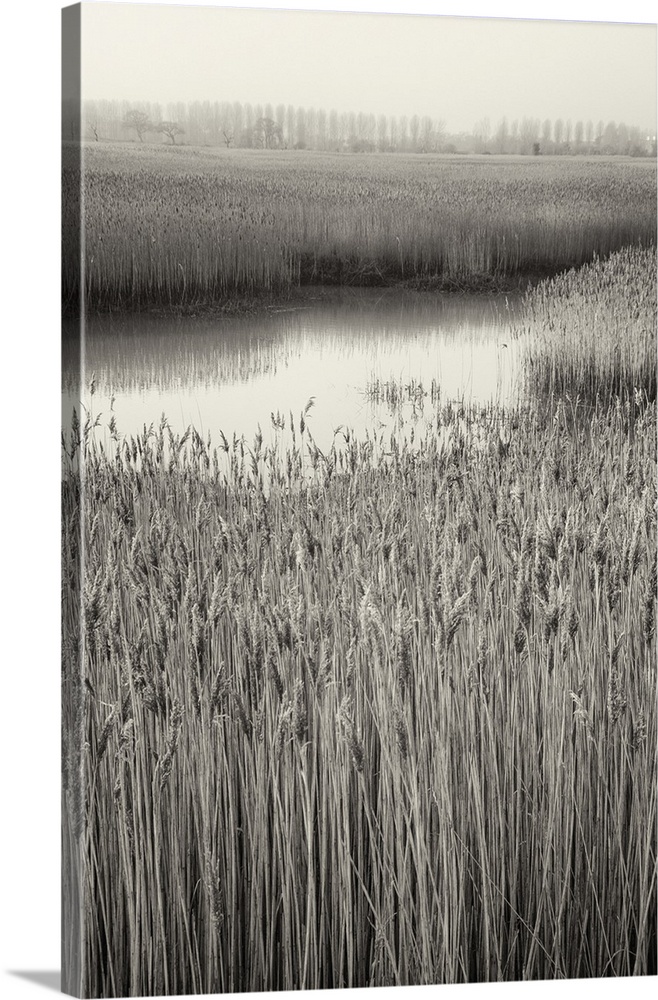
186	227
382	715
591	333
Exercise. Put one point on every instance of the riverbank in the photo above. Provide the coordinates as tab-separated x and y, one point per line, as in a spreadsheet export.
305	295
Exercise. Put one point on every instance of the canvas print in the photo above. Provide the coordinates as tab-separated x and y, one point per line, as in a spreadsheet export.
358	500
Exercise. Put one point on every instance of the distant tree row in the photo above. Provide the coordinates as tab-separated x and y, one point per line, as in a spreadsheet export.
264	126
562	137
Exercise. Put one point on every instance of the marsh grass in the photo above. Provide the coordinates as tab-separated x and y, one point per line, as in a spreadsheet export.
390	723
188	227
591	333
383	714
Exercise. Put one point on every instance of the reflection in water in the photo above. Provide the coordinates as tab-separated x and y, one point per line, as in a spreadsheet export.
231	373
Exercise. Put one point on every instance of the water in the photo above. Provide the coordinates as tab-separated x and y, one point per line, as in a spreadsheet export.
232	373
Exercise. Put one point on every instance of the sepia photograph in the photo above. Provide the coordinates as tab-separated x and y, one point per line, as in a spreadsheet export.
358	499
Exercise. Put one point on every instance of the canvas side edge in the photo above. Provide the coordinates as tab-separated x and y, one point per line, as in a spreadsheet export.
73	808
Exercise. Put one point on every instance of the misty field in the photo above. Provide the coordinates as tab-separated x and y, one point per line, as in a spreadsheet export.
169	227
382	715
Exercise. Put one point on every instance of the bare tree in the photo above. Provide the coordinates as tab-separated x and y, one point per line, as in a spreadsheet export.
172	129
346	127
333	129
290	125
281	117
311	128
598	139
481	132
529	134
91	118
393	126
403	131
382	133
501	136
609	138
139	121
267	133
321	129
558	134
568	132
300	128
589	135
623	142
414	131
236	121
432	134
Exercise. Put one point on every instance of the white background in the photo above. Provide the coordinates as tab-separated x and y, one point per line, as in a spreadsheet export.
29	489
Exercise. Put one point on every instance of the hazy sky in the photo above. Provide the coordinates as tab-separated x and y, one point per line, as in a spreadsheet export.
455	68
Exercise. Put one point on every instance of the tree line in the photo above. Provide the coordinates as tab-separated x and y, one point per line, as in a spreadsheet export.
562	137
264	126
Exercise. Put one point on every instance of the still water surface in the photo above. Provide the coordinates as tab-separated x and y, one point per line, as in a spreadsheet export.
232	373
